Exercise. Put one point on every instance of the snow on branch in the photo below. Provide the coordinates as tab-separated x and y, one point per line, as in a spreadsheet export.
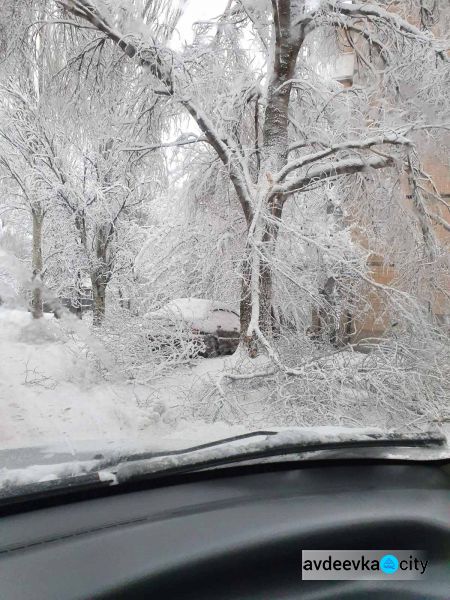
152	57
393	138
373	12
85	9
183	140
348	166
439	220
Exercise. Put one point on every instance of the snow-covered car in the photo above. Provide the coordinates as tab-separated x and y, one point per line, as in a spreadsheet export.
211	327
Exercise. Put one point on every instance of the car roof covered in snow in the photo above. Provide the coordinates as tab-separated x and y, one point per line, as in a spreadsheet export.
205	315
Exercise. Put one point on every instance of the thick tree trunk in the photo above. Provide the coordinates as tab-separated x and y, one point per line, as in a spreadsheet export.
101	275
275	149
265	296
99	297
269	241
37	304
249	341
274	153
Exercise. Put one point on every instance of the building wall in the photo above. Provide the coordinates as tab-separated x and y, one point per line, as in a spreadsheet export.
376	318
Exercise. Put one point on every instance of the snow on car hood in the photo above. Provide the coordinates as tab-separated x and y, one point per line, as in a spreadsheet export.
205	315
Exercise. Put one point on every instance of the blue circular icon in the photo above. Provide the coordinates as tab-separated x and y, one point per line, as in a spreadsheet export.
389	563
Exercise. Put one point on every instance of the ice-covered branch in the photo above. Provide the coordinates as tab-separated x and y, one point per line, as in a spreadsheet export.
153	59
344	14
439	220
392	138
185	140
358	10
348	166
403	26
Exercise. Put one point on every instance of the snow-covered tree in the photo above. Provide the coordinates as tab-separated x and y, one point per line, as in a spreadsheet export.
68	132
241	166
268	59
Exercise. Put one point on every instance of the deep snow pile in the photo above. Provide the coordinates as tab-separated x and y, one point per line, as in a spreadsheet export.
57	384
48	389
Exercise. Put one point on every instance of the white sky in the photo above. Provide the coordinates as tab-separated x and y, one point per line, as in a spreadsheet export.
194	11
198	10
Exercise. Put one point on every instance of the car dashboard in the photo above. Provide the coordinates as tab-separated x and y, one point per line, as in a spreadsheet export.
230	533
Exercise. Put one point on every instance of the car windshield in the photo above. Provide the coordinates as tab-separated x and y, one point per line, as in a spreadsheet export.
221	219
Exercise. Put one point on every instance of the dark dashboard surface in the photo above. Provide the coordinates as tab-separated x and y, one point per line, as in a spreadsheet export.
236	534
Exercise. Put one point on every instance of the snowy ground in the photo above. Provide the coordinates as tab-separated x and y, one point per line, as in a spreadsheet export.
59	392
50	393
59	388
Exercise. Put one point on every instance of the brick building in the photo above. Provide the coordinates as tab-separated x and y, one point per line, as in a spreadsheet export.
436	164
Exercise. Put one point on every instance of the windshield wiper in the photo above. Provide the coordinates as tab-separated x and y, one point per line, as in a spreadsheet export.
371	440
245	448
96	475
221	442
223	452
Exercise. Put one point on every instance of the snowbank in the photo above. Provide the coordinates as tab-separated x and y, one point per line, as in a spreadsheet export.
58	385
